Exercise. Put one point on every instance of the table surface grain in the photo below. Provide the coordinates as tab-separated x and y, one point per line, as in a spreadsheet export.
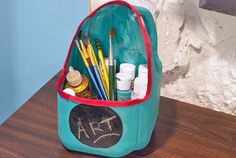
182	130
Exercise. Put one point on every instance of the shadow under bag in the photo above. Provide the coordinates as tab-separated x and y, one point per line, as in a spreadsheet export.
112	128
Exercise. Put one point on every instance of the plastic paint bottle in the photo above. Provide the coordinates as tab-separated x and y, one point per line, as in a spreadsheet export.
79	83
123	84
140	87
142	70
128	69
69	91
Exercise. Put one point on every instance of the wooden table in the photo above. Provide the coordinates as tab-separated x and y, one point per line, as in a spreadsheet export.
182	130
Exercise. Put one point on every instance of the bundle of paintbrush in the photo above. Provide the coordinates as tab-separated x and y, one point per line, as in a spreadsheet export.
98	76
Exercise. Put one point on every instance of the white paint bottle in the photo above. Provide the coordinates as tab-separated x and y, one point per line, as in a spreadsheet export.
123	85
140	87
129	70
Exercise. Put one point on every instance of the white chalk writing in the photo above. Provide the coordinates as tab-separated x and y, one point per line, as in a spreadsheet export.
81	129
97	128
108	121
106	135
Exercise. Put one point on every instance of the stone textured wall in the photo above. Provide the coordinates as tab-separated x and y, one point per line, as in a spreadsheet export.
197	48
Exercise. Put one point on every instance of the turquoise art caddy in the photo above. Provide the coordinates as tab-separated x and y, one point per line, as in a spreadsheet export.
112	128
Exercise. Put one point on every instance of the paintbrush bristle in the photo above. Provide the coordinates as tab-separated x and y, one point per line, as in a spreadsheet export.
87	37
85	41
80	35
112	33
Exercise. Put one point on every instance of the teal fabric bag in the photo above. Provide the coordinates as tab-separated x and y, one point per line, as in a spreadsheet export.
112	128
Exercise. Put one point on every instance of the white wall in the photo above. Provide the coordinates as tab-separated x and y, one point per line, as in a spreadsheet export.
198	51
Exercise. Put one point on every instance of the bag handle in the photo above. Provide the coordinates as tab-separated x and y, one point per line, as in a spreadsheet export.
150	25
152	32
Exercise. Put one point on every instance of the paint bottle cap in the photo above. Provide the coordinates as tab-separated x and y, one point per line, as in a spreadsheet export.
128	69
123	77
73	77
123	81
69	91
142	70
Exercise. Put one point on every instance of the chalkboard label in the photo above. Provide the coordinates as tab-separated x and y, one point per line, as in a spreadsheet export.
98	127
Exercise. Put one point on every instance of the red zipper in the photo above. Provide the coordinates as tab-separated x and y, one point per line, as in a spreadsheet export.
96	102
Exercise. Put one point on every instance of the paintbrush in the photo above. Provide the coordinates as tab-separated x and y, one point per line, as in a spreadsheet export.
87	63
111	66
90	47
95	70
103	66
92	56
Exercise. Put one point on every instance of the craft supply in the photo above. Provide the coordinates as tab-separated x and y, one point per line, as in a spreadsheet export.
89	69
107	64
102	64
86	37
123	95
69	91
136	96
78	83
142	70
123	84
81	43
95	65
111	65
123	81
140	87
133	96
73	77
129	69
96	71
